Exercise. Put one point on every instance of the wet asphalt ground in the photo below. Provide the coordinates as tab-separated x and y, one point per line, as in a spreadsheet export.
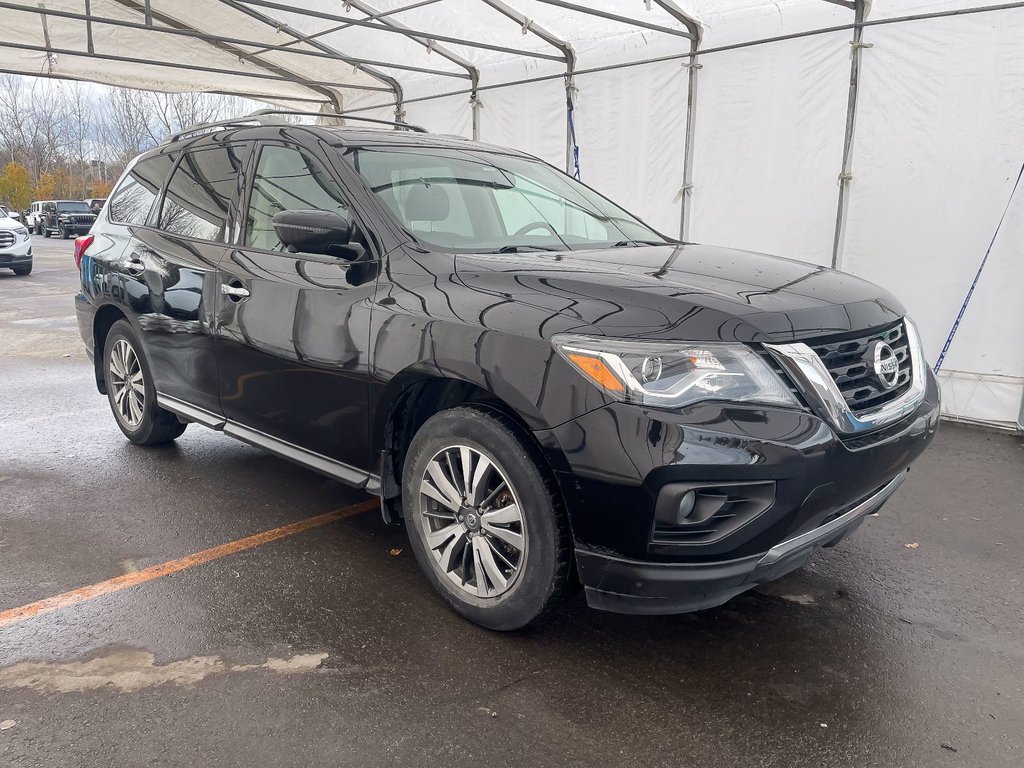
327	648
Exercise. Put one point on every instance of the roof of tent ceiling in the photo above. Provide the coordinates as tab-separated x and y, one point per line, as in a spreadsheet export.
263	48
253	47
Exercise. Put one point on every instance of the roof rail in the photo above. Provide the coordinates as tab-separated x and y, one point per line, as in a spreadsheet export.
259	117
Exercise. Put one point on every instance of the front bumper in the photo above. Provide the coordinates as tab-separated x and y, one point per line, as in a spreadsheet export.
75	229
613	463
626	586
16	255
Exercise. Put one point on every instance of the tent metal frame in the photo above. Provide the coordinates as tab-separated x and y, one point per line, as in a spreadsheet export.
311	45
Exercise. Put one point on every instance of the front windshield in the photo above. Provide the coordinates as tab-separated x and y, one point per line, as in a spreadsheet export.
73	207
475	201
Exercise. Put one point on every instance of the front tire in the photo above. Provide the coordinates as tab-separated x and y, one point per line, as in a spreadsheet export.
130	390
62	233
46	232
486	522
22	271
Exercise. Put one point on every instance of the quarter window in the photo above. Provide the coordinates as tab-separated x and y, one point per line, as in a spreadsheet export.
287	180
131	201
200	191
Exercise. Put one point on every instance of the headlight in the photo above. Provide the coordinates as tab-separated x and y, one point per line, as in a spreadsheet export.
21	232
674	374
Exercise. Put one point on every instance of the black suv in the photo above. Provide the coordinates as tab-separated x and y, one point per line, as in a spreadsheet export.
64	218
544	390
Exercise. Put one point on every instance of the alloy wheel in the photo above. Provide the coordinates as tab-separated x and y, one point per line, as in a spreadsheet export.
472	522
127	384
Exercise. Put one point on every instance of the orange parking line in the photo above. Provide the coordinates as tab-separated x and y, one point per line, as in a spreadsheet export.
91	592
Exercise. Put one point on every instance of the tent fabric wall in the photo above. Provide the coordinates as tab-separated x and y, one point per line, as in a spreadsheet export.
937	140
769	145
939	144
631	129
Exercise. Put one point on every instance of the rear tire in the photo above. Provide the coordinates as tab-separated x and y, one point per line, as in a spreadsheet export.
38	228
515	542
130	390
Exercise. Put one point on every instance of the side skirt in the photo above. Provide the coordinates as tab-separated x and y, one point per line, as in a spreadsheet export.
347	474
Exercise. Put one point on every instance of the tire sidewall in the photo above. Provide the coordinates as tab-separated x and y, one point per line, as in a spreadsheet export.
538	576
122	329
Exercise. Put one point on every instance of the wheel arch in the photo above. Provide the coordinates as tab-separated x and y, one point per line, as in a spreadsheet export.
415	395
102	322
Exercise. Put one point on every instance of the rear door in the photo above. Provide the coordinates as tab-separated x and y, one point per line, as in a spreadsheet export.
293	329
176	261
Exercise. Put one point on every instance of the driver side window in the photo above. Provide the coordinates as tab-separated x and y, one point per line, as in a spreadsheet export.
287	180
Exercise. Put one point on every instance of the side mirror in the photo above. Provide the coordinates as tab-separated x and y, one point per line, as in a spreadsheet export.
312	231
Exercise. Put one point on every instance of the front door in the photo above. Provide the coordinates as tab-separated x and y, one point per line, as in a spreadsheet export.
293	328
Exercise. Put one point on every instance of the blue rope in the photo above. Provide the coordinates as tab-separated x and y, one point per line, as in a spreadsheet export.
572	134
977	277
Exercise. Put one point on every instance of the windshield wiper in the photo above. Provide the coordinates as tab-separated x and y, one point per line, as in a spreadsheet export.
638	243
520	249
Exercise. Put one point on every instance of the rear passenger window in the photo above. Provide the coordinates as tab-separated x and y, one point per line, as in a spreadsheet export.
287	180
200	191
131	201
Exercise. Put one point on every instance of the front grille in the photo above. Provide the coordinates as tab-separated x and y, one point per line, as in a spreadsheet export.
847	359
6	238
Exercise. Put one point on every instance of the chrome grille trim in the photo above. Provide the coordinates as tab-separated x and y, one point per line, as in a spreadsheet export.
847	361
7	238
819	388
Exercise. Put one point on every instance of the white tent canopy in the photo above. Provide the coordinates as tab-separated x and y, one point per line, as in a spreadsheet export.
883	138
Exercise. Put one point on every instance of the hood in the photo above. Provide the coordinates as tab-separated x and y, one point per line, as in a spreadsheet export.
6	222
692	292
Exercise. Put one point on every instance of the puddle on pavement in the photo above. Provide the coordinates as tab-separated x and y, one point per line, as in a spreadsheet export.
133	669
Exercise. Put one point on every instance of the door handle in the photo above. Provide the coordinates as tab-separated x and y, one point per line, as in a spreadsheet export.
133	265
234	292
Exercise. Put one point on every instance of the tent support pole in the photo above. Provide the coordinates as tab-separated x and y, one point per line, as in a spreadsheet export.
846	172
695	33
88	28
474	107
396	28
262	75
570	105
686	193
91	20
568	56
372	14
173	23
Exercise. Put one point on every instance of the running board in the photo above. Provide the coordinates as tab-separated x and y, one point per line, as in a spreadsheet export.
345	473
190	412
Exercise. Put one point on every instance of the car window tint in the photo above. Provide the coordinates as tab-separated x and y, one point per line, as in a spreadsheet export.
477	200
287	180
423	197
200	191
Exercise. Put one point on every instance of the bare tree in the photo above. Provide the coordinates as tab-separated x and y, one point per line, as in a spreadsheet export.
33	127
56	128
133	121
125	127
79	128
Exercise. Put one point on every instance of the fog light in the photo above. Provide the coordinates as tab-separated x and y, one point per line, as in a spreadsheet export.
685	507
675	505
700	513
